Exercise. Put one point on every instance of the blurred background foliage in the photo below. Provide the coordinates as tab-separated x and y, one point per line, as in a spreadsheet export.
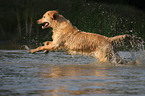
107	17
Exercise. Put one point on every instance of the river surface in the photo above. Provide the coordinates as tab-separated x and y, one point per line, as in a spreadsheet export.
60	74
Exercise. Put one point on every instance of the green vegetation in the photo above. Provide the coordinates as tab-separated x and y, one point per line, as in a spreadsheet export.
18	18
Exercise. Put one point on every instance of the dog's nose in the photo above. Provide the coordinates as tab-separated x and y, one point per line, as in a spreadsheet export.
38	22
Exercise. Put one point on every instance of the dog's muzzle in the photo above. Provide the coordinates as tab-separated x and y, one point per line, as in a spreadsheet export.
45	25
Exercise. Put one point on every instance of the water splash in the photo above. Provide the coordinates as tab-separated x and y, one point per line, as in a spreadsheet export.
132	45
139	55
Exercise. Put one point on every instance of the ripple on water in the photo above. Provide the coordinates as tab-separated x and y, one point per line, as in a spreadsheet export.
58	73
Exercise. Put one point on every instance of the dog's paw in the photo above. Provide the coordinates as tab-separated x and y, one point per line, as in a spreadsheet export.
28	49
46	51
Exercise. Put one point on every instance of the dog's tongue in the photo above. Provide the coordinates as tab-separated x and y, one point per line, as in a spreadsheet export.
44	25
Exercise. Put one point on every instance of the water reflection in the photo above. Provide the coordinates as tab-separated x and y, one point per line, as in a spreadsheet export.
75	79
58	74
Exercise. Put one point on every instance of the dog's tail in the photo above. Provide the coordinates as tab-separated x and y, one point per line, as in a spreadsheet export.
127	41
119	38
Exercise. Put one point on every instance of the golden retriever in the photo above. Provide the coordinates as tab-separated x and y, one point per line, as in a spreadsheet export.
74	41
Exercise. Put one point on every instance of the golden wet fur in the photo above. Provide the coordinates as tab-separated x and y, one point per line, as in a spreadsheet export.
75	41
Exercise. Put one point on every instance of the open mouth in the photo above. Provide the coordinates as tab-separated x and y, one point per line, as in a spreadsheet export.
45	25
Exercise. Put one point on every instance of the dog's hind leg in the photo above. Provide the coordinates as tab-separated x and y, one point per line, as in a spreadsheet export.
109	54
103	53
116	58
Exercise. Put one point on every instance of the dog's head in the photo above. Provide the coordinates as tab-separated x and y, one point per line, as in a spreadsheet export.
48	19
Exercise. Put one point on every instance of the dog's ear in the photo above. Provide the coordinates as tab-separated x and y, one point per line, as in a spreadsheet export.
54	15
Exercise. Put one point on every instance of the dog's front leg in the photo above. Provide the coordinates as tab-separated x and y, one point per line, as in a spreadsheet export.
41	48
49	47
46	43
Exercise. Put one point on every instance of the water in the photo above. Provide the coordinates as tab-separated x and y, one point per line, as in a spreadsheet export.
58	74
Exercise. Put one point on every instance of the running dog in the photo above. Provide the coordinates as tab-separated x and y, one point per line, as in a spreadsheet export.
74	41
